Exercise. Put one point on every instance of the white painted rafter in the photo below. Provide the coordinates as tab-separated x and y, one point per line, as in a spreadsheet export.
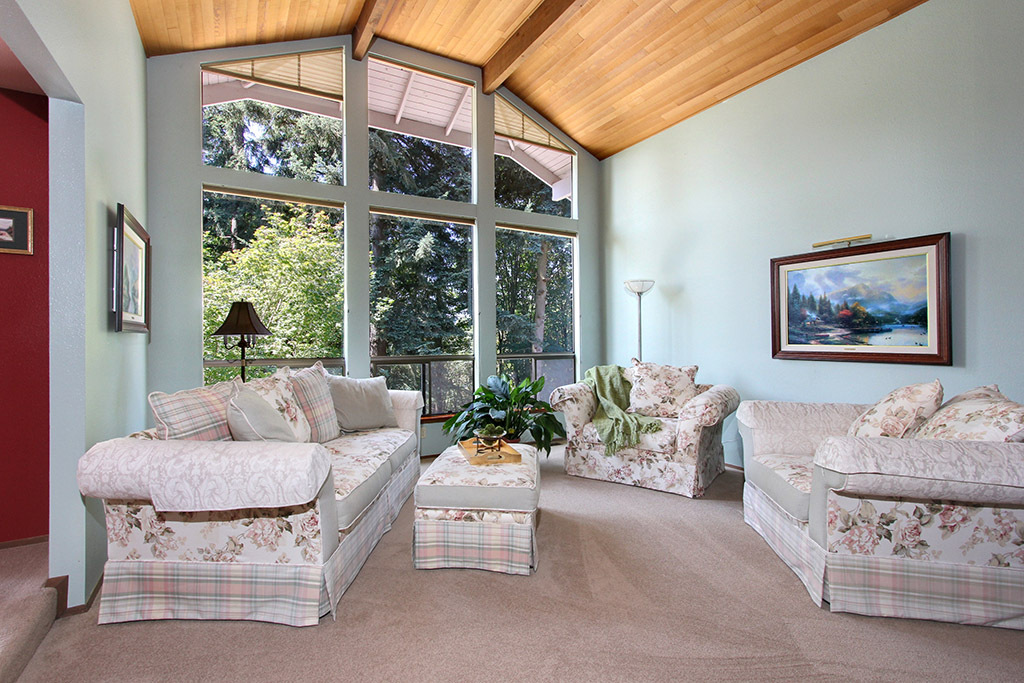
405	97
458	108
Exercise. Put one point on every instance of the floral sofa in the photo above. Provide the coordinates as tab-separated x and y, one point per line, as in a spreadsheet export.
683	457
202	526
918	518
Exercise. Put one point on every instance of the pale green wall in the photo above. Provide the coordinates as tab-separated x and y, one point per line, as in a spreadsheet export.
89	59
911	128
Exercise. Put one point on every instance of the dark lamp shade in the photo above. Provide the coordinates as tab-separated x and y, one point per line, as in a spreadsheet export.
242	319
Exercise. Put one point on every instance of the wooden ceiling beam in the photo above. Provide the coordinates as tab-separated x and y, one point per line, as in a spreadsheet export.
370	18
544	22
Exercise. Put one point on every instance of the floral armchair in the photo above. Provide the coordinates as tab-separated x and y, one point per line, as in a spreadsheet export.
683	457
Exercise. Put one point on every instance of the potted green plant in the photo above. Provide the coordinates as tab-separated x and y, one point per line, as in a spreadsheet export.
514	408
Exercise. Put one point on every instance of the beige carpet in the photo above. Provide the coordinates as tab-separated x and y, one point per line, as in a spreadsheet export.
633	585
26	608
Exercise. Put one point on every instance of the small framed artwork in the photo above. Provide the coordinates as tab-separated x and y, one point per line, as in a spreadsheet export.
886	302
131	274
15	230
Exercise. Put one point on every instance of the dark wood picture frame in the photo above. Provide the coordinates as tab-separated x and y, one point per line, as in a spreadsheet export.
15	230
131	276
814	338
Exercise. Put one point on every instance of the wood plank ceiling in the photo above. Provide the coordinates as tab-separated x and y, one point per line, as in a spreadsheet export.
609	73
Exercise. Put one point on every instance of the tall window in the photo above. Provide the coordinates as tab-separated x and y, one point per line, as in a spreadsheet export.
421	139
535	306
421	302
287	259
533	170
279	116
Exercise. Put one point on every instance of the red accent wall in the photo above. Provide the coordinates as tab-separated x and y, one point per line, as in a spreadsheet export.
25	323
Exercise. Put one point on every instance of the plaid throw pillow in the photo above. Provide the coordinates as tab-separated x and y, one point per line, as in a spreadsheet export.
314	397
193	415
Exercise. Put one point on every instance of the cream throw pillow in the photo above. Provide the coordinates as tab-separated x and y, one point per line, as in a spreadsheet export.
277	391
981	414
362	403
900	413
660	390
251	418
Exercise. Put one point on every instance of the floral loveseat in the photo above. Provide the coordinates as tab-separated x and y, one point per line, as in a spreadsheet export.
916	518
683	457
201	526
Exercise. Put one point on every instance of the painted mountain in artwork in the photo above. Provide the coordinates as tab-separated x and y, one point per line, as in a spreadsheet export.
876	301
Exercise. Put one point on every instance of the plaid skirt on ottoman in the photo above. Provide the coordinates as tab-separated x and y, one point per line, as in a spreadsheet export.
477	516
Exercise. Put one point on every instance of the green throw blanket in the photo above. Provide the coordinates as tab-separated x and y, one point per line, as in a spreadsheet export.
617	428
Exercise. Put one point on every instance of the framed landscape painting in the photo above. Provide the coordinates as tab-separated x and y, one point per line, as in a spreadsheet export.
15	230
886	302
131	274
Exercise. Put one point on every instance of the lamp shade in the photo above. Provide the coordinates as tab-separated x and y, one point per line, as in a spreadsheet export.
639	286
242	319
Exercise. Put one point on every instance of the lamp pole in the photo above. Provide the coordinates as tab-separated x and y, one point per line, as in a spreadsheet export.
639	287
639	327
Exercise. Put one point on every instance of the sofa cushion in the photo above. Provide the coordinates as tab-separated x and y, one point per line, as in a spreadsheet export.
251	418
661	441
314	397
277	391
362	467
786	479
193	415
981	414
659	390
362	403
900	412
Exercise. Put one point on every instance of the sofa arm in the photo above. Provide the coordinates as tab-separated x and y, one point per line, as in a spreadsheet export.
711	406
408	407
578	403
700	414
792	428
981	472
192	476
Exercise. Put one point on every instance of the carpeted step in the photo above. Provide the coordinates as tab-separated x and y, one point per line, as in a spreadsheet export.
20	636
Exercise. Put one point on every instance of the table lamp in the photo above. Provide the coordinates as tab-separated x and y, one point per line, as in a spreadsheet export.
243	321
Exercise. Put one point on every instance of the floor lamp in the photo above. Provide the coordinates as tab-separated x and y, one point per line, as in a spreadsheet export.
639	287
243	321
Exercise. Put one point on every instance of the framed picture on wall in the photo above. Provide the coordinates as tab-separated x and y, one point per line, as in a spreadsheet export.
15	230
886	302
131	274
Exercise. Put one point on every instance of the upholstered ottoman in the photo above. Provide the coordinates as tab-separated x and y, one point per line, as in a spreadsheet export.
477	516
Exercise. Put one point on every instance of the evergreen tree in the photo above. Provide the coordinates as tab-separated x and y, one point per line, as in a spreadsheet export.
287	258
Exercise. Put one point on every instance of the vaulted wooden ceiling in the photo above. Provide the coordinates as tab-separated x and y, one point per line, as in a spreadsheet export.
609	73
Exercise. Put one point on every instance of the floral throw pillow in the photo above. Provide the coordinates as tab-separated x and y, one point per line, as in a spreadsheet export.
277	391
659	390
981	414
900	413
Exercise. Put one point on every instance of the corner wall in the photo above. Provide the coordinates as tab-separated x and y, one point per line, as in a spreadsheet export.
909	129
24	386
88	58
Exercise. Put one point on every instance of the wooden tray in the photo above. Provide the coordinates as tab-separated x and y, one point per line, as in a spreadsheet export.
505	454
